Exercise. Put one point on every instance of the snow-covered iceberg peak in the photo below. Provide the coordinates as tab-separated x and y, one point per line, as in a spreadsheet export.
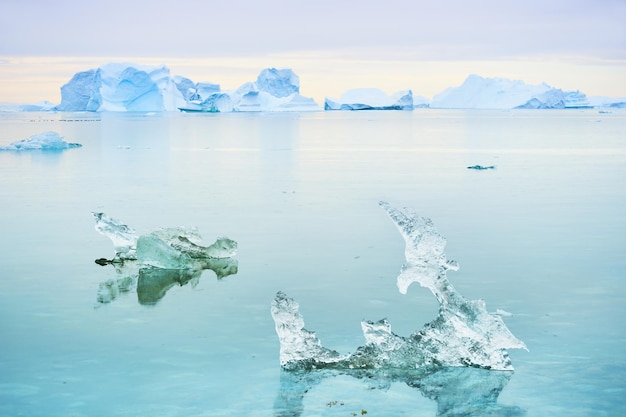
370	99
463	334
46	141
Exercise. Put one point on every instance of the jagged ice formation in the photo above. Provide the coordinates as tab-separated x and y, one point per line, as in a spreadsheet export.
463	334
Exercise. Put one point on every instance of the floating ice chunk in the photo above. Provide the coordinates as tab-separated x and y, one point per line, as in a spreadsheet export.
46	141
481	167
179	248
463	334
170	248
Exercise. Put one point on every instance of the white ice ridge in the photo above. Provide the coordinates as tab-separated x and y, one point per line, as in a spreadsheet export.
169	248
463	334
46	141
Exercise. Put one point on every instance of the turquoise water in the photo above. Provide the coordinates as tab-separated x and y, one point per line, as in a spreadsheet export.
543	236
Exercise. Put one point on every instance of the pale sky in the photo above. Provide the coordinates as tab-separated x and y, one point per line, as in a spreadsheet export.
333	45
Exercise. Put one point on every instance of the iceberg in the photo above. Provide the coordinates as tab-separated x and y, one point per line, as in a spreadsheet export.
275	90
46	141
477	92
370	99
124	87
463	334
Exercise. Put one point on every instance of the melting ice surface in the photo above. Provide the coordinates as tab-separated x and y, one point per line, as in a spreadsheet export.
46	141
462	346
155	262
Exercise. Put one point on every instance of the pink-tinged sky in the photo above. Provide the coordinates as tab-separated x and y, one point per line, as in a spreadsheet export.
332	45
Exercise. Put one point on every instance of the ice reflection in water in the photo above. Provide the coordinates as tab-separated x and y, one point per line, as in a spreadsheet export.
153	283
155	262
458	391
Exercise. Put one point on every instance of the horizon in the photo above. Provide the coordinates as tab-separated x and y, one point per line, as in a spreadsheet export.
332	47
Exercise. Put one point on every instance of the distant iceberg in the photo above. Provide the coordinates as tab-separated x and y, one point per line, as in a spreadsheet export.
124	87
46	141
477	92
275	90
464	333
370	99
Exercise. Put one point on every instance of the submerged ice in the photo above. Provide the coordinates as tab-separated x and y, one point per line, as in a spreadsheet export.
463	334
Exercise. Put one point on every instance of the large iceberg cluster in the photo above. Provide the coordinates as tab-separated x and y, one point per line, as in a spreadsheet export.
370	99
477	92
45	141
154	262
131	87
463	334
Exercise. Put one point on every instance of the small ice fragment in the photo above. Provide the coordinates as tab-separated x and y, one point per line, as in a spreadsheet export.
481	167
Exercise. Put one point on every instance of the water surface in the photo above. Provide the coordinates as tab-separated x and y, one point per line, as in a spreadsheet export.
542	236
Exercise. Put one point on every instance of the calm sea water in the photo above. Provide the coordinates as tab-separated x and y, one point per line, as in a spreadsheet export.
542	236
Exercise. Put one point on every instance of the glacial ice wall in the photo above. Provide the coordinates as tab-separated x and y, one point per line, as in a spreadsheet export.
463	334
